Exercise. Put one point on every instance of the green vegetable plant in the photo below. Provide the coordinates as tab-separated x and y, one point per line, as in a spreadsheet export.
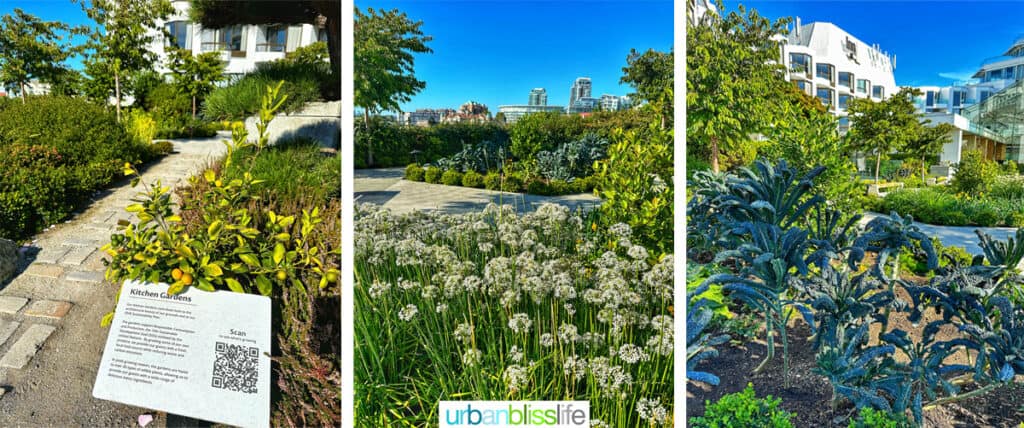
743	409
235	250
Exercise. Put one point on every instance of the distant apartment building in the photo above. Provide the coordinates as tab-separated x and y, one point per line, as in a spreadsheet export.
580	89
471	111
538	97
425	117
242	46
982	108
34	87
832	65
513	113
614	103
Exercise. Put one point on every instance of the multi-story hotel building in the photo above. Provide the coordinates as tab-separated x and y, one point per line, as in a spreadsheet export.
826	62
242	46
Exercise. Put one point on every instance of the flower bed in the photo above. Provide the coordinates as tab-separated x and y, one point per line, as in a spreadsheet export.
502	306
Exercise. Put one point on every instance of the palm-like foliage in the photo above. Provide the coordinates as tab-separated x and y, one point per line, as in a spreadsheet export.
771	194
700	345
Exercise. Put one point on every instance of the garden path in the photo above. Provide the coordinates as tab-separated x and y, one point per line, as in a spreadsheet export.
50	335
960	236
386	187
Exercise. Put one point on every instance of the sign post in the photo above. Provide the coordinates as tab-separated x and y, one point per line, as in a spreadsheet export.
198	354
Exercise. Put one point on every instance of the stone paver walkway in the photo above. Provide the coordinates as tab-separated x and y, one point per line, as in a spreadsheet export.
50	335
959	236
386	187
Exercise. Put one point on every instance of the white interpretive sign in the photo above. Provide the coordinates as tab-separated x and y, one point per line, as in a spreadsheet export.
198	354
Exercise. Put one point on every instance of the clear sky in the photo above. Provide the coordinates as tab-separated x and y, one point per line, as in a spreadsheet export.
494	52
52	10
935	43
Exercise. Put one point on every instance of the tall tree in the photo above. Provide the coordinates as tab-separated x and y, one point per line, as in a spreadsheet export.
928	141
732	77
385	42
325	13
124	29
196	75
651	75
33	49
883	127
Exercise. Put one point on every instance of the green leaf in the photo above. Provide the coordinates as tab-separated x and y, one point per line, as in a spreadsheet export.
278	253
234	285
249	259
213	270
205	285
107	319
264	285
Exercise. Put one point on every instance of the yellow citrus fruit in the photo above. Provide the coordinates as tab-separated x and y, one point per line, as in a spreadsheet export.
332	277
281	276
176	274
186	279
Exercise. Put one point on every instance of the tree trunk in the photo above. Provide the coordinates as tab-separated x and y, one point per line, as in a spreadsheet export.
117	93
369	146
334	43
193	108
23	97
878	165
714	155
923	168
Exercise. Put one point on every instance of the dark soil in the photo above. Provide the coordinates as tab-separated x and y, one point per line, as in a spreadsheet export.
809	395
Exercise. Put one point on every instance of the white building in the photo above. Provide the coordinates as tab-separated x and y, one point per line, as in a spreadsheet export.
242	46
614	103
34	87
513	113
538	97
826	62
580	89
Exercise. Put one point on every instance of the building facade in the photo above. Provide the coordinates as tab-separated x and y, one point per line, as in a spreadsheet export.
580	89
513	113
828	63
614	103
243	47
538	97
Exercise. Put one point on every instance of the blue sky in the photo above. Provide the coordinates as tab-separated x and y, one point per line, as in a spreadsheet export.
494	52
935	43
52	10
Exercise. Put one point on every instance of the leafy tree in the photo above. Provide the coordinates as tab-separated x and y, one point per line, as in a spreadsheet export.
651	75
542	131
500	117
322	13
31	48
385	42
196	75
806	135
883	127
66	82
927	142
124	29
732	77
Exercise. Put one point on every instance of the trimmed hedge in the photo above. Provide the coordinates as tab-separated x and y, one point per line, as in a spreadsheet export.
55	152
393	144
493	180
942	207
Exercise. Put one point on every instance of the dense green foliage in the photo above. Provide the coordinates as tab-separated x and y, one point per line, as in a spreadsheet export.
942	207
743	409
542	131
33	49
974	174
871	418
393	144
195	75
172	112
304	82
54	153
882	127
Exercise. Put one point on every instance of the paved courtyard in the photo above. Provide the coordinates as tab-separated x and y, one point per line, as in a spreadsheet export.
50	335
386	187
959	236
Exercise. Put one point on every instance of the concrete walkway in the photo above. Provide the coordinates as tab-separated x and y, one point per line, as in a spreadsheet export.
386	187
959	236
50	335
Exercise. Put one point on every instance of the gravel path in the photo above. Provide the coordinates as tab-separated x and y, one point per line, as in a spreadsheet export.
50	335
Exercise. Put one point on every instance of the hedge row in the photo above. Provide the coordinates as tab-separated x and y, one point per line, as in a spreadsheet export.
494	180
55	152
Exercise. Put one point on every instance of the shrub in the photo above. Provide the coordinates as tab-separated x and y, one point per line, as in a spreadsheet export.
542	131
743	409
473	179
141	126
1007	188
394	145
241	98
432	175
974	174
538	187
294	170
936	206
451	178
1010	167
163	147
414	172
54	153
492	181
513	183
871	418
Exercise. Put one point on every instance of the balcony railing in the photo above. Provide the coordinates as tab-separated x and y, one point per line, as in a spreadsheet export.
219	46
270	47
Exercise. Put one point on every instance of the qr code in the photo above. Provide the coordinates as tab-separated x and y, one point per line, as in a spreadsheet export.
235	367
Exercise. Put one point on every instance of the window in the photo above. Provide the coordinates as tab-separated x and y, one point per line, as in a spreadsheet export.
844	124
800	63
958	97
824	71
225	39
929	98
877	92
1008	73
180	34
825	95
803	86
862	86
321	35
273	39
846	79
843	101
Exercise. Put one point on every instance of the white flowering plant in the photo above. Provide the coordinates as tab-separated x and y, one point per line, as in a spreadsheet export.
495	305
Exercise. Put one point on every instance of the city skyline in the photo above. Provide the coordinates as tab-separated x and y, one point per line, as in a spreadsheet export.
500	64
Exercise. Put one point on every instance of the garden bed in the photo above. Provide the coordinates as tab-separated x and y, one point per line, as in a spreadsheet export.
495	180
